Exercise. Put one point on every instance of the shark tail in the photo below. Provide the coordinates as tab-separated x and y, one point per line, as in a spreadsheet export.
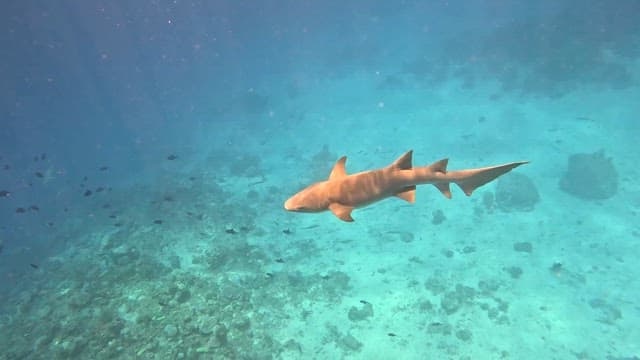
471	179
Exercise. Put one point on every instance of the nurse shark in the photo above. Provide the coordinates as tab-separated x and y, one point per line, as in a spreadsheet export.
343	193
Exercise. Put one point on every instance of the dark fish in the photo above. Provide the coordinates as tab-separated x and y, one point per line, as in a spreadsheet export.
157	222
4	193
172	157
99	189
287	231
20	210
104	168
106	206
43	156
85	178
88	193
364	302
231	231
34	266
113	216
34	208
50	223
392	334
192	178
279	260
39	174
6	167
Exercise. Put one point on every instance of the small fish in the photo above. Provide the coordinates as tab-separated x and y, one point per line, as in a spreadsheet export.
104	168
34	208
50	223
157	222
106	206
43	156
39	174
20	210
99	189
34	266
4	193
269	275
6	167
392	334
231	231
280	260
364	302
113	216
85	178
287	231
172	157
88	193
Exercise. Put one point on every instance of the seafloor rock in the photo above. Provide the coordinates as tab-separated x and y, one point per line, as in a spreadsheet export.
363	313
516	192
590	176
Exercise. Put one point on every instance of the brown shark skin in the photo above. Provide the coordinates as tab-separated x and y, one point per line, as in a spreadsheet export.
342	193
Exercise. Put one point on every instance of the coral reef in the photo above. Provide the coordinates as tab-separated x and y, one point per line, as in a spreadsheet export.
516	192
590	176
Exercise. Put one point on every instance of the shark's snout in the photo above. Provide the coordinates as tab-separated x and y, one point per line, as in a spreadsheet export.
287	205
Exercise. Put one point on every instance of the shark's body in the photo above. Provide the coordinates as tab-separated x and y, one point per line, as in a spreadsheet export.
342	193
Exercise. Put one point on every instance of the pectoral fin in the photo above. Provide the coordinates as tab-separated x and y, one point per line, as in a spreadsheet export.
342	212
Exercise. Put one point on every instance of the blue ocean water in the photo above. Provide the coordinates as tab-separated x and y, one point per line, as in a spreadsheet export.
147	149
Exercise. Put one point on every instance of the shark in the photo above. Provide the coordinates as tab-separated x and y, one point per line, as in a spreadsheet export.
342	193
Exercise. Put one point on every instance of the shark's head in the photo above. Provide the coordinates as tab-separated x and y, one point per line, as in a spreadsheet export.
311	199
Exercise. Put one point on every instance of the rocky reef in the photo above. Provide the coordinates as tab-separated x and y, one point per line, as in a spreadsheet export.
590	176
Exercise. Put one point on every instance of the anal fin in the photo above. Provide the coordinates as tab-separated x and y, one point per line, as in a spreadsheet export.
444	189
341	212
408	194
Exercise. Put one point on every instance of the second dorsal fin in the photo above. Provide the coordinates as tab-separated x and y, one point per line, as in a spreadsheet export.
404	162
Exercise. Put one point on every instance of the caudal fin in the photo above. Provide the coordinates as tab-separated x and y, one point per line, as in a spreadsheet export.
469	180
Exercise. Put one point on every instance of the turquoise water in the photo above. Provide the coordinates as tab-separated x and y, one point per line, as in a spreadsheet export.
147	149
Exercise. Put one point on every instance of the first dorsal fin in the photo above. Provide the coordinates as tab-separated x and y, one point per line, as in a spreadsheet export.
339	169
404	162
